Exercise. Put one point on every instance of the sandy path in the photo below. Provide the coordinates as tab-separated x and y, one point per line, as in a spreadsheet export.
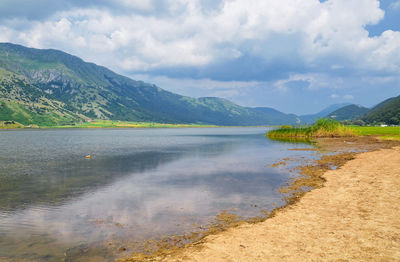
356	216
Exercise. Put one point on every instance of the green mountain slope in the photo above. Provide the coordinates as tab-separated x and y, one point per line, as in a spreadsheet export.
277	116
387	112
309	119
349	112
27	104
51	87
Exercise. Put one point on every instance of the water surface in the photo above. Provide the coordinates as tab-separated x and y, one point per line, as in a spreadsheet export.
139	184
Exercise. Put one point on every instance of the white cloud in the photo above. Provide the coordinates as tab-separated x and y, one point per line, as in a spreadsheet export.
314	81
386	51
395	5
202	87
306	29
6	34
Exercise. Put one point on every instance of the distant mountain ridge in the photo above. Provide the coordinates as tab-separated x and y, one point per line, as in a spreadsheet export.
387	112
311	118
50	87
349	112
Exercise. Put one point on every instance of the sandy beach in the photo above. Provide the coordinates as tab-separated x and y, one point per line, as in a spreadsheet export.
353	217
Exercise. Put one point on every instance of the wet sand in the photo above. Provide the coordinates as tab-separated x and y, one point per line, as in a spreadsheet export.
353	216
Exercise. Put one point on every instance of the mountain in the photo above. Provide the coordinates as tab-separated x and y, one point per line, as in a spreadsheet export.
25	103
309	119
277	116
50	87
387	112
349	112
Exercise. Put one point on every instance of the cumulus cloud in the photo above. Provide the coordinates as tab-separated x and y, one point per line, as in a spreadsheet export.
279	43
310	81
186	35
233	90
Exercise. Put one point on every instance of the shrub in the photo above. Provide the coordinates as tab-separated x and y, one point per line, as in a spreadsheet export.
323	127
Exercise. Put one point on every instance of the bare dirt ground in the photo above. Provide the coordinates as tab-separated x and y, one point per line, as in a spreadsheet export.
354	216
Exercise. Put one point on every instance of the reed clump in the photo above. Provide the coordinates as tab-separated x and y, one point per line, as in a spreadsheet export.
323	127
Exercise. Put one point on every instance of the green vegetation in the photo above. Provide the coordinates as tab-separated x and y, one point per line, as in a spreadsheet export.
349	112
27	104
387	112
10	125
377	130
388	132
125	124
310	119
52	88
394	137
326	127
102	124
323	127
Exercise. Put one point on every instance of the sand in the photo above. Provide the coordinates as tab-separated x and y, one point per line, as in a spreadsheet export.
355	216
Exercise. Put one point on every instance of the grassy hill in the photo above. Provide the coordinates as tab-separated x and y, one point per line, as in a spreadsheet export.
27	104
387	112
50	87
309	119
323	127
349	112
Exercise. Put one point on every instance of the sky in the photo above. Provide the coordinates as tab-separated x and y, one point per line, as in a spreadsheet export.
298	56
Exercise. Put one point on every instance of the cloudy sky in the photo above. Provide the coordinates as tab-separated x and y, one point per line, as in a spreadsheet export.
297	56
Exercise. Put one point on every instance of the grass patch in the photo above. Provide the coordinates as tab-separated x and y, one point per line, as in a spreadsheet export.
125	124
390	137
385	133
323	127
377	130
331	128
101	124
10	125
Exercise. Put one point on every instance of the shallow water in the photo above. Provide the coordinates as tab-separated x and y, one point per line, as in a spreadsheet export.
139	184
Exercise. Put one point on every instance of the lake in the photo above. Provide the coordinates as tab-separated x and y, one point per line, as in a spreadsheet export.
139	184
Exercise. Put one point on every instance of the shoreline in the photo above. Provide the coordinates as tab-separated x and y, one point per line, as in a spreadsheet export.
123	127
110	124
249	241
